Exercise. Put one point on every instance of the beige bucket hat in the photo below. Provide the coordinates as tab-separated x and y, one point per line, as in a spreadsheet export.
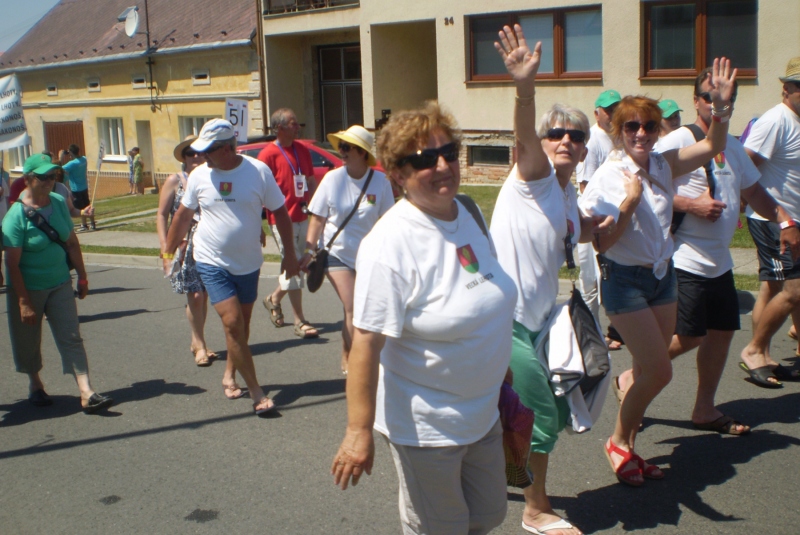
792	71
358	136
182	146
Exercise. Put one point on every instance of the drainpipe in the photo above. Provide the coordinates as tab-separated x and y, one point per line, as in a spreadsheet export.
262	71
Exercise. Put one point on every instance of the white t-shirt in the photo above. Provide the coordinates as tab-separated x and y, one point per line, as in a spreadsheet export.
436	291
228	235
598	149
334	199
529	224
775	136
646	239
701	246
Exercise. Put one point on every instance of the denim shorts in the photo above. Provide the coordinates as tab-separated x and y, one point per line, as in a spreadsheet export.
632	288
334	264
222	285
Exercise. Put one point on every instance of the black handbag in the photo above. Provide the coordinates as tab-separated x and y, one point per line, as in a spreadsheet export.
594	351
41	223
316	268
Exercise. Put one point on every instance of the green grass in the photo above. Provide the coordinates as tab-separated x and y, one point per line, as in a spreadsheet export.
136	226
134	251
742	238
484	196
129	204
748	283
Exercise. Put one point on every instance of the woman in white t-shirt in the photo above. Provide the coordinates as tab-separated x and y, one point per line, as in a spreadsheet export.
334	200
432	340
639	285
535	226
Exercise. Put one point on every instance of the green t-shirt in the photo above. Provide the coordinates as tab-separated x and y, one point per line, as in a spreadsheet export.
43	262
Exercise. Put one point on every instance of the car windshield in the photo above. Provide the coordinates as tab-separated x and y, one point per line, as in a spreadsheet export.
328	147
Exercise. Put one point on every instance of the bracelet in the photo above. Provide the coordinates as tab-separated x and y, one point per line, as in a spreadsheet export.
308	251
718	119
167	256
725	108
83	282
524	101
789	223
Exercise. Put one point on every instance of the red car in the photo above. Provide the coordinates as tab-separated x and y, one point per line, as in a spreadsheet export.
324	158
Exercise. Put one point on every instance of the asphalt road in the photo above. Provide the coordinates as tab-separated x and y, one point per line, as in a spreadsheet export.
174	456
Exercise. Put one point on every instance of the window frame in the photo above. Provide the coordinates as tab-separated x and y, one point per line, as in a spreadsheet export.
104	131
701	60
93	85
190	125
17	156
201	77
473	162
559	41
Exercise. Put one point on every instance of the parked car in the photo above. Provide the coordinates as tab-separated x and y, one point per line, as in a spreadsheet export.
324	158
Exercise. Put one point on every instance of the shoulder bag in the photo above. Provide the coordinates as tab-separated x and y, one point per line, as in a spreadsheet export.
316	268
699	135
41	223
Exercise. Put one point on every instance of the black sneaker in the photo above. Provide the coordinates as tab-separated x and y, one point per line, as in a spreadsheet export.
82	228
94	226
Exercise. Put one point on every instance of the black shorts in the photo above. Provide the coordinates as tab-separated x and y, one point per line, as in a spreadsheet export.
772	265
705	303
80	199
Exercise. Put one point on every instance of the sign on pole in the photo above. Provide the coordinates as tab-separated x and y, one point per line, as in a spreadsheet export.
13	132
100	154
236	113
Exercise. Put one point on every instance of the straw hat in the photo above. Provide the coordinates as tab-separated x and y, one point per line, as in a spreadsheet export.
182	146
358	136
792	71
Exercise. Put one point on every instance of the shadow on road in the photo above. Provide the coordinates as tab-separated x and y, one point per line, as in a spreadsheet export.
697	462
289	394
113	290
112	315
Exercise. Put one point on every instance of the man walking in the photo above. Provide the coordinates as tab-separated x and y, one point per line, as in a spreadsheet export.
231	189
708	306
774	146
75	172
291	164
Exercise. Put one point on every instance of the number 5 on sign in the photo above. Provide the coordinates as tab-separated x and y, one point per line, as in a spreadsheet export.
236	113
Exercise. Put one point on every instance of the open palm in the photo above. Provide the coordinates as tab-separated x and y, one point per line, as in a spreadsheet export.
722	80
521	63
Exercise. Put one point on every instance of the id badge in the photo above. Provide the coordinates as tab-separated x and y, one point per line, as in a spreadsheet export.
300	185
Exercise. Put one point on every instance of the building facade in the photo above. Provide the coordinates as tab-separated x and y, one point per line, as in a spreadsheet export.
342	62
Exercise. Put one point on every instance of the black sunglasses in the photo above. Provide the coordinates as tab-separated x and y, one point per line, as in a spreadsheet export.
190	153
345	147
706	96
557	134
632	127
48	176
213	148
427	158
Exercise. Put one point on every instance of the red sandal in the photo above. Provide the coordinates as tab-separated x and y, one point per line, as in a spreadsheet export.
649	471
624	476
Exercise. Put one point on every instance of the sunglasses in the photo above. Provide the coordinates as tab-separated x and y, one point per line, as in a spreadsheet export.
213	148
190	153
706	96
557	134
346	147
631	127
48	176
427	158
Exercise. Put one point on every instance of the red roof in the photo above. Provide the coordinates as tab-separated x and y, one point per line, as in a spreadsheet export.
88	29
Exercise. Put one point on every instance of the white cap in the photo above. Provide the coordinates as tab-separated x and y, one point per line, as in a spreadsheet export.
213	130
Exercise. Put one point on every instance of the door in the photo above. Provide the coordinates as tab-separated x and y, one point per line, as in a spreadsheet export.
59	136
145	144
340	87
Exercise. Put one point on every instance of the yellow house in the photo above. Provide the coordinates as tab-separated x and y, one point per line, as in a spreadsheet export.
84	80
362	59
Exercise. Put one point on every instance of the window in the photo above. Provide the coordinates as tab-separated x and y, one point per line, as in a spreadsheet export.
52	90
487	155
18	155
201	77
572	43
684	37
139	81
112	135
190	126
93	85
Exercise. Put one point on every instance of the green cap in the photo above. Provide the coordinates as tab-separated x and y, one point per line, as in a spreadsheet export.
607	98
668	108
39	164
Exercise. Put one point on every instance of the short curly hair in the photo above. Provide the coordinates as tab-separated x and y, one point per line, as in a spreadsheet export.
408	131
627	110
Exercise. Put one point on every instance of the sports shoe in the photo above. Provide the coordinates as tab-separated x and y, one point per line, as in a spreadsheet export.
82	228
93	226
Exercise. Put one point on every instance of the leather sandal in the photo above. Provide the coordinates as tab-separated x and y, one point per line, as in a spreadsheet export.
624	476
275	312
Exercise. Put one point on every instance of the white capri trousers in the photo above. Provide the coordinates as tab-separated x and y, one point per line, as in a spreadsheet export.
299	230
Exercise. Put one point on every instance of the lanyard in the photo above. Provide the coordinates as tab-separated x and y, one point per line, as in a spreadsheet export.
296	158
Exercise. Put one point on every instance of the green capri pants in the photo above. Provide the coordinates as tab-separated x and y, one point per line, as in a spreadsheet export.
58	304
531	383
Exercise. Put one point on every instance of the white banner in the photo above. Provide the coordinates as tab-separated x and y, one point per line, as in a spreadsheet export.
236	113
13	132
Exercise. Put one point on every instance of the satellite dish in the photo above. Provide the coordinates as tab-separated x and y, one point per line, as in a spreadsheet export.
132	23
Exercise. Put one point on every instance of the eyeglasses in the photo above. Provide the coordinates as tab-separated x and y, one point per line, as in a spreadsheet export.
213	148
632	127
427	158
48	176
190	153
706	96
557	134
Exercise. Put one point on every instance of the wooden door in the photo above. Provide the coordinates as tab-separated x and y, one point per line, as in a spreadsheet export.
59	136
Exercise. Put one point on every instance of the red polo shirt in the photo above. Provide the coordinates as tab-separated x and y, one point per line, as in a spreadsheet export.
284	165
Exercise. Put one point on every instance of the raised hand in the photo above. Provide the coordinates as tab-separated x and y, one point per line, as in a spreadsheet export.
521	63
722	82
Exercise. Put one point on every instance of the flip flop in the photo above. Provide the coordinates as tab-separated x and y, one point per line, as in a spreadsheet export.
304	333
558	524
613	345
232	388
760	376
275	312
782	373
724	425
265	410
202	362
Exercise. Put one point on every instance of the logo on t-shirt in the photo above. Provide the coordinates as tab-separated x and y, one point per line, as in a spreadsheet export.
225	188
370	198
719	159
467	258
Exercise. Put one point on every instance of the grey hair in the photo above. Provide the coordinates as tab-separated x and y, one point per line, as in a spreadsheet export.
280	118
567	116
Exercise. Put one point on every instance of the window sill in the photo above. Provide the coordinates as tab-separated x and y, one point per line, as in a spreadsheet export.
115	158
539	81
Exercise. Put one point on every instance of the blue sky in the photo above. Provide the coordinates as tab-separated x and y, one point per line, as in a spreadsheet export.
18	17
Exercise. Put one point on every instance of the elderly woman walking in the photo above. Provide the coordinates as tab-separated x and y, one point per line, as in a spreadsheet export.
432	340
40	284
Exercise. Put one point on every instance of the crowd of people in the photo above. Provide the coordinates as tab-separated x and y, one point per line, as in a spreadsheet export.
441	308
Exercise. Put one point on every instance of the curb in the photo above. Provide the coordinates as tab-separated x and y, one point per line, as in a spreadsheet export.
268	269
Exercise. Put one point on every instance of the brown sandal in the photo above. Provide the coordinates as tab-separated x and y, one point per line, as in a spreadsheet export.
275	312
203	361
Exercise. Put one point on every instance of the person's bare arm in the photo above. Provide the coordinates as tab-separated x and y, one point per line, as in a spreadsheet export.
181	223
316	224
75	255
703	206
755	157
765	205
356	454
13	256
165	202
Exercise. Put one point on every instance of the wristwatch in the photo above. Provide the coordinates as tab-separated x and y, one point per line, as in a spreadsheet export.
788	224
